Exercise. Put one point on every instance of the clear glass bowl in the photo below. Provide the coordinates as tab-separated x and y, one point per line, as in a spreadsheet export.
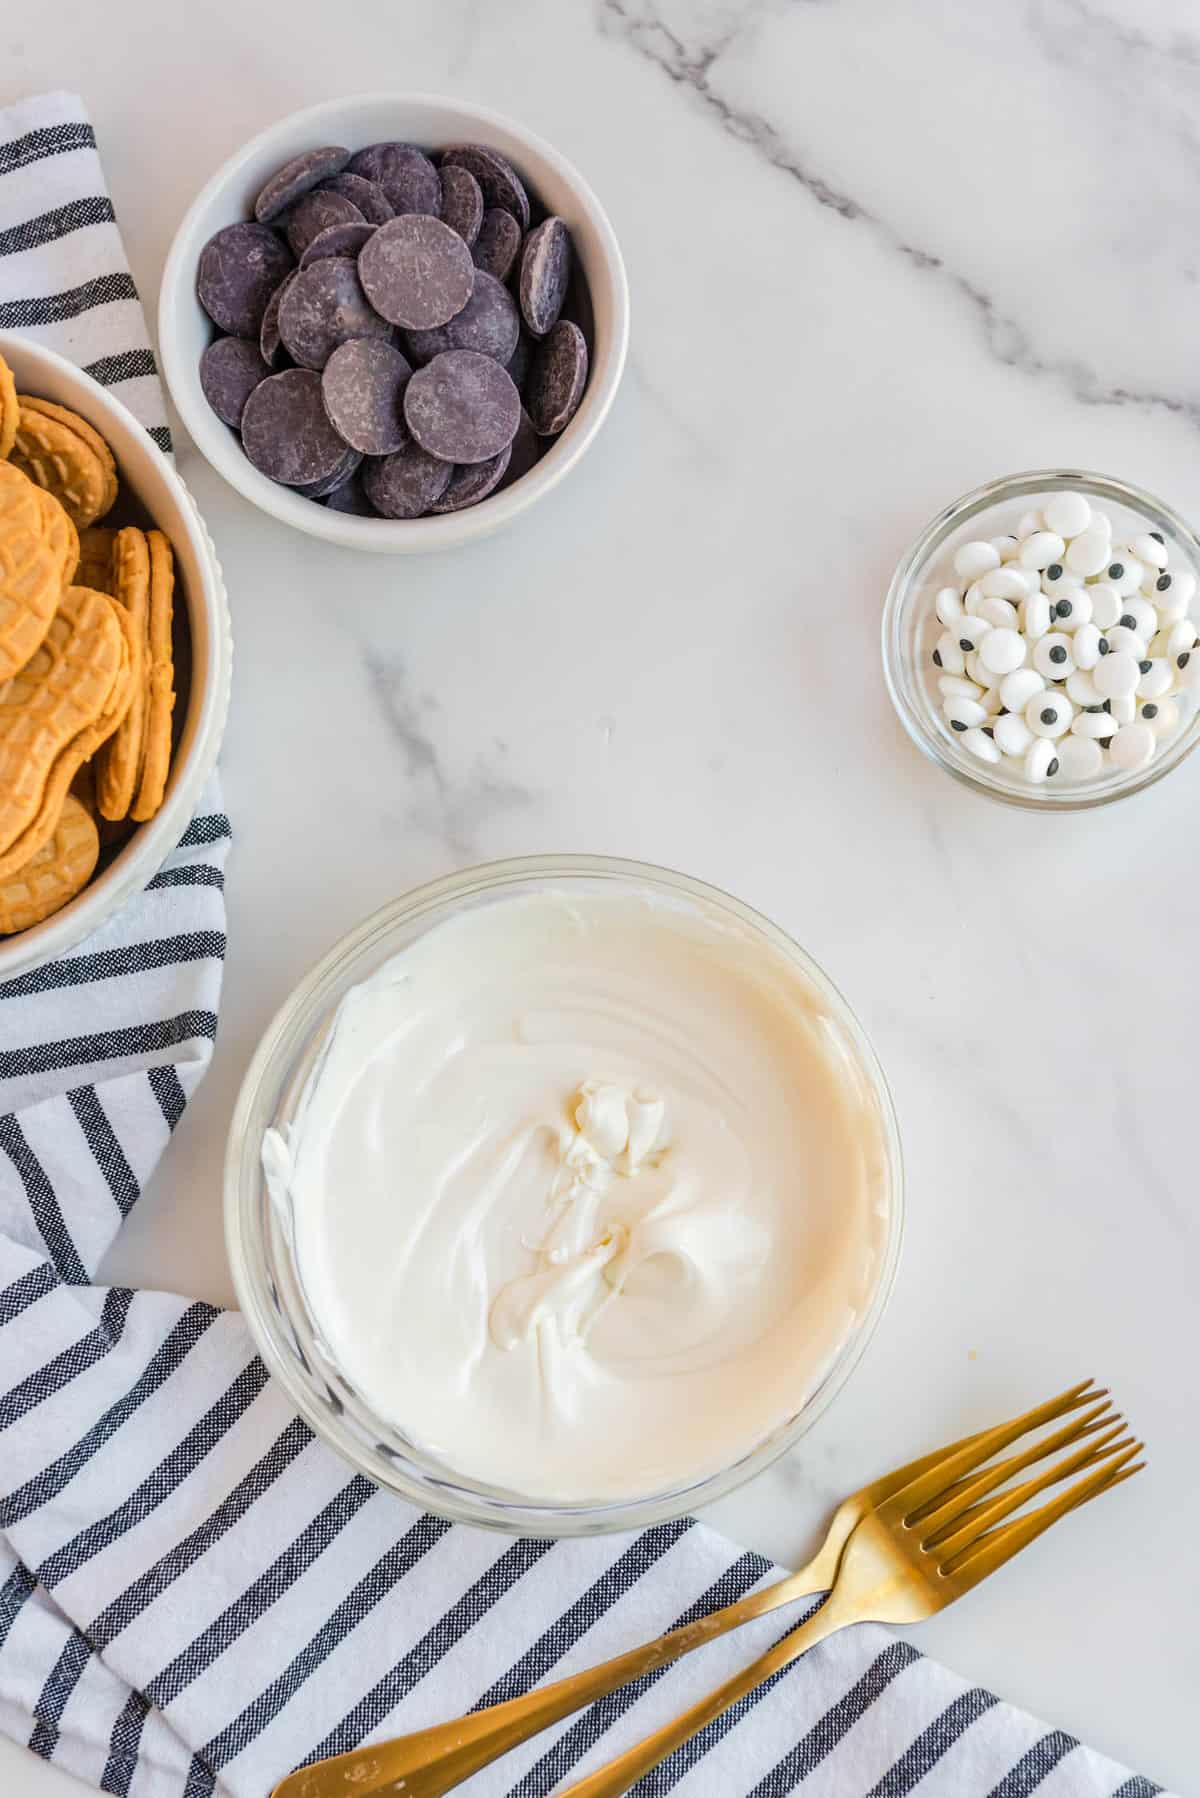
910	632
260	1237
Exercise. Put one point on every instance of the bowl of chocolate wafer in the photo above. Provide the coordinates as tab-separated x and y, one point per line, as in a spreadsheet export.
115	656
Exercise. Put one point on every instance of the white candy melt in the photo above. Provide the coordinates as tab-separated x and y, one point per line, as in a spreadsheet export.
1067	513
1088	554
974	559
1003	650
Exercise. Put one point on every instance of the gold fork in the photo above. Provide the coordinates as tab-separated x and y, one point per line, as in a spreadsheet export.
915	1553
433	1761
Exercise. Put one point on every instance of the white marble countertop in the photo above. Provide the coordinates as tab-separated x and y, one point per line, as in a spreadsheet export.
878	254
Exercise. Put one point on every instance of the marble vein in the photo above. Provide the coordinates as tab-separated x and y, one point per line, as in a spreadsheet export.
450	808
694	69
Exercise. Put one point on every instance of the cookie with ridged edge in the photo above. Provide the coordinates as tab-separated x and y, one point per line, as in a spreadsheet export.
51	708
95	565
9	410
119	763
30	571
61	535
160	685
62	453
55	874
81	748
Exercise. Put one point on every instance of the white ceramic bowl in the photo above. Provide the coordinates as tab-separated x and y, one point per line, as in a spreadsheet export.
151	492
184	329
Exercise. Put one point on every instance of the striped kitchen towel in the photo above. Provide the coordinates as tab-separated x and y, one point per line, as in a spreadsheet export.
195	1595
64	278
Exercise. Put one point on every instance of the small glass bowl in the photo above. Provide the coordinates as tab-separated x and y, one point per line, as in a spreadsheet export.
260	1237
909	636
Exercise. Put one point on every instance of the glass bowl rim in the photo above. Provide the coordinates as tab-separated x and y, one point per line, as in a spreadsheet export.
907	575
283	1041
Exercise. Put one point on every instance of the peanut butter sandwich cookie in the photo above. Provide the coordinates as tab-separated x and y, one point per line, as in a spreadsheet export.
54	714
9	410
61	452
160	685
55	874
31	570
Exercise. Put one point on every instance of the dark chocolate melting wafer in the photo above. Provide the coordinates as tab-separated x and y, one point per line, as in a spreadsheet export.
337	477
557	378
297	177
473	482
489	323
363	385
316	213
324	306
286	433
239	269
230	370
499	181
351	497
545	274
269	340
462	202
417	272
495	248
462	407
336	240
368	196
405	174
518	363
406	484
527	448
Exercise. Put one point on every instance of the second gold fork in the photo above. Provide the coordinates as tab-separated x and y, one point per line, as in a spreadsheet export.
436	1760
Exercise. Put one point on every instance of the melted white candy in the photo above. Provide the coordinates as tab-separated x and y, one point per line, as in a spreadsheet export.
588	1193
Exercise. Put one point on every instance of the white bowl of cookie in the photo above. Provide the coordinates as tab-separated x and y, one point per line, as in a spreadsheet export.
115	656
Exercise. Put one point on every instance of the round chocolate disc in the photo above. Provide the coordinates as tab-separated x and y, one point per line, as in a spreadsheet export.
269	341
351	497
239	269
323	307
527	448
545	273
495	248
417	272
336	240
230	370
462	202
315	213
337	477
368	196
363	384
407	483
518	363
473	482
489	323
557	378
462	407
405	174
286	433
296	178
499	181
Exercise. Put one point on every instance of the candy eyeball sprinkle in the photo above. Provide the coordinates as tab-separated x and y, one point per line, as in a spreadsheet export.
1066	651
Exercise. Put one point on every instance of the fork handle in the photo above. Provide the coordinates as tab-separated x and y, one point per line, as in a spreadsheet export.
612	1780
433	1761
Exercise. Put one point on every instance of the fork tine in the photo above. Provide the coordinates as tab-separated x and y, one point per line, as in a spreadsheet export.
933	1485
970	1524
954	1502
994	1547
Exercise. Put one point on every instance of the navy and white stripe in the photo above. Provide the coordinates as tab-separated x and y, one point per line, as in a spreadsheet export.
195	1596
64	276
